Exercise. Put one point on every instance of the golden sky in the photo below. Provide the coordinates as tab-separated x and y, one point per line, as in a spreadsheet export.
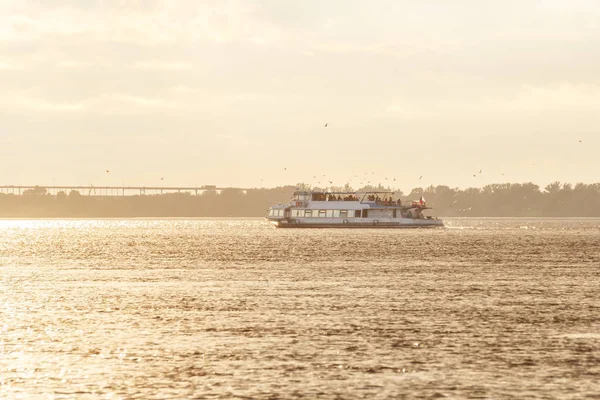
237	92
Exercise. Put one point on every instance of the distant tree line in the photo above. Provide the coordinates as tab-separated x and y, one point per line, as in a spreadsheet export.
495	200
37	203
515	200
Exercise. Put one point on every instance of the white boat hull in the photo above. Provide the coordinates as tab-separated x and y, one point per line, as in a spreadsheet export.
398	223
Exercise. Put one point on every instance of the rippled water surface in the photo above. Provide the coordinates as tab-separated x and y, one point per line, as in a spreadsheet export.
234	308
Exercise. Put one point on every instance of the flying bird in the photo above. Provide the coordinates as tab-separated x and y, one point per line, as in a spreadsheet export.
162	179
326	124
480	170
420	177
107	171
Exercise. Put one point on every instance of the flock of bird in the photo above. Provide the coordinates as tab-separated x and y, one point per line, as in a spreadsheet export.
394	179
363	182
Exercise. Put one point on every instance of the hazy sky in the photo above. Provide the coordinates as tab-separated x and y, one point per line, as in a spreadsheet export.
232	92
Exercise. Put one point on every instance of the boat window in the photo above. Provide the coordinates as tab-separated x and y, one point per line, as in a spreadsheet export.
343	213
329	213
322	213
356	213
336	213
294	213
308	213
271	212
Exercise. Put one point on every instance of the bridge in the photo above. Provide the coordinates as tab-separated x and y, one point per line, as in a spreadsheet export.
92	190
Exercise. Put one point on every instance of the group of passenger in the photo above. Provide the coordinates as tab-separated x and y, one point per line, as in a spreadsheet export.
386	201
349	197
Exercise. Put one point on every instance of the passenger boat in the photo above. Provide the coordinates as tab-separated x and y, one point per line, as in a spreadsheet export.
350	210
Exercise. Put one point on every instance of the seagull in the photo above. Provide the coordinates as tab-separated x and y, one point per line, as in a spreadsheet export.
331	182
326	124
420	177
480	170
162	179
580	141
285	168
474	176
107	171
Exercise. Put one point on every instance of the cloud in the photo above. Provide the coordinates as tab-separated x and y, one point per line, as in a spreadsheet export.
116	103
146	23
73	64
557	97
27	103
160	65
113	103
6	66
404	111
527	100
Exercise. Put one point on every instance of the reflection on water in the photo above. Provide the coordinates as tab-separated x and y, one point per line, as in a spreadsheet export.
200	308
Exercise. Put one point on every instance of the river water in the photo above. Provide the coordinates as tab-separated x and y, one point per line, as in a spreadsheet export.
486	308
